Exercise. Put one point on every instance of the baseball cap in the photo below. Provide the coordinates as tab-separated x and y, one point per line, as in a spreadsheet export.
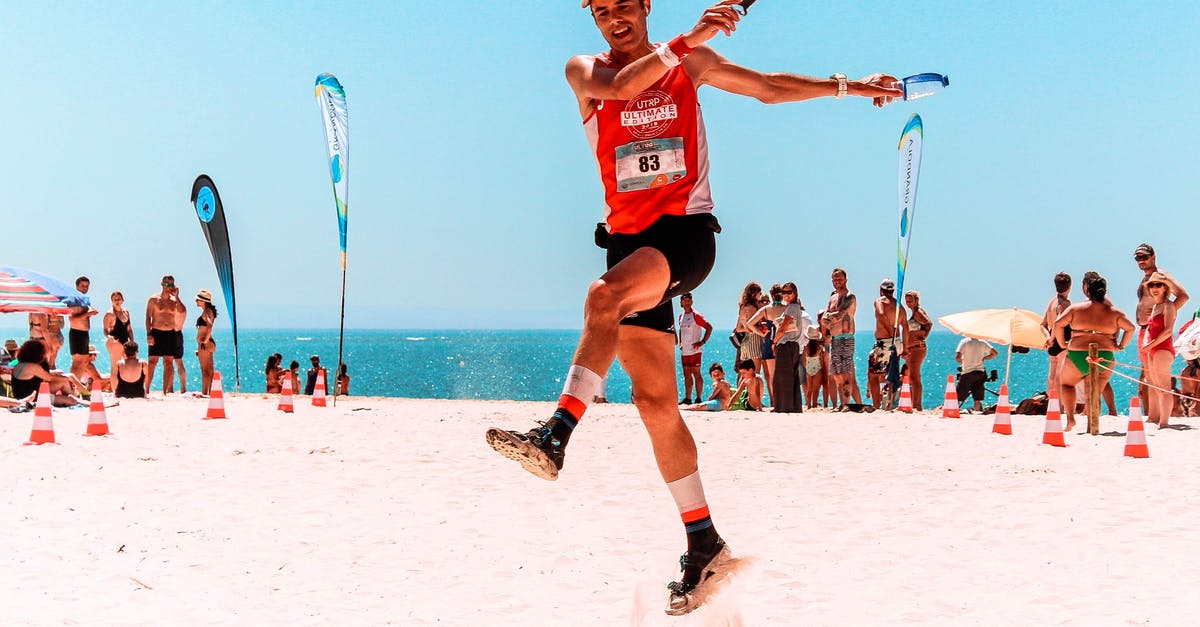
1144	249
887	284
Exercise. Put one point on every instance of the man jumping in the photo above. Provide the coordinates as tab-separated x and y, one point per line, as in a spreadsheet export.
640	111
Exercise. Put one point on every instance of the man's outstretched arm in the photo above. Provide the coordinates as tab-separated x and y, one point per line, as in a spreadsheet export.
711	68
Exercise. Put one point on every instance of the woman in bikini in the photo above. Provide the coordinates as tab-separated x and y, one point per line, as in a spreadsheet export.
916	332
1093	321
118	329
762	325
1158	349
206	347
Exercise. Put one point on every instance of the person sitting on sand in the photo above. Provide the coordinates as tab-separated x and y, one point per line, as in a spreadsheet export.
721	394
91	374
1093	321
32	370
274	374
131	373
749	392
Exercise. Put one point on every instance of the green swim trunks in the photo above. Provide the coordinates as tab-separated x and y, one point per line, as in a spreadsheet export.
1080	359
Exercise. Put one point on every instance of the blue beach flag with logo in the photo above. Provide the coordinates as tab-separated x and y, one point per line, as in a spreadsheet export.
208	206
331	101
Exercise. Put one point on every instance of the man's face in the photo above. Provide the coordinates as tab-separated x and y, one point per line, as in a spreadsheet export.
621	22
717	375
83	286
685	302
839	280
1144	261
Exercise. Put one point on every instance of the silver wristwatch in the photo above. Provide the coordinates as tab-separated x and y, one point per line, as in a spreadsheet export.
841	86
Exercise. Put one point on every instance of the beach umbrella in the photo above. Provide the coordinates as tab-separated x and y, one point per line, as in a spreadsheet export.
1014	327
24	290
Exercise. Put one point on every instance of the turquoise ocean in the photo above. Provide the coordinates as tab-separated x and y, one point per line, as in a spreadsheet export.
525	365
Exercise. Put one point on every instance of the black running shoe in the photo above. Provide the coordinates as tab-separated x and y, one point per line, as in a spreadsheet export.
538	451
702	575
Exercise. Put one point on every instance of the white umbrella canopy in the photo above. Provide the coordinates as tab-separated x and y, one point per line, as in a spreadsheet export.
1019	327
1014	327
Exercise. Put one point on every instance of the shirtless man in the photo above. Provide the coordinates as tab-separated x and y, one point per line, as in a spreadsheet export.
79	337
639	107
1093	321
838	320
1146	262
889	318
162	312
1057	305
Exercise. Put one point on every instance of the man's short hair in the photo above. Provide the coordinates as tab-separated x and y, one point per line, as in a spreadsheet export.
1062	281
842	270
685	295
716	365
746	364
81	280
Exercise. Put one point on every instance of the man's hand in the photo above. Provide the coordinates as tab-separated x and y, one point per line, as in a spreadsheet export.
881	88
719	18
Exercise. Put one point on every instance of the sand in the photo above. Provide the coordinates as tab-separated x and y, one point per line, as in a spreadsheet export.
394	511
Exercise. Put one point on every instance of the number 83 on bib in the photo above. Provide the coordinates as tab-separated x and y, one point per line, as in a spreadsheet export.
650	163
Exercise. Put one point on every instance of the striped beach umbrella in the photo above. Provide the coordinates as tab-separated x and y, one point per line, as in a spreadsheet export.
24	290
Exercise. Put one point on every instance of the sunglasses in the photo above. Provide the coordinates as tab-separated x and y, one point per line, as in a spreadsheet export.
1156	284
1141	257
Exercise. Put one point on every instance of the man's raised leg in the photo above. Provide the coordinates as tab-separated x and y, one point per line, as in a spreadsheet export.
636	283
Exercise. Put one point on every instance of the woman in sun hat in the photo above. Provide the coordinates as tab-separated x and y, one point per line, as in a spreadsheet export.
205	345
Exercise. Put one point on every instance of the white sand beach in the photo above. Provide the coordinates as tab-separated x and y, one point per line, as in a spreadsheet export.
393	511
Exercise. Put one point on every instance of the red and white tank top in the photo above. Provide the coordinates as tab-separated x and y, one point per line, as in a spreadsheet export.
652	153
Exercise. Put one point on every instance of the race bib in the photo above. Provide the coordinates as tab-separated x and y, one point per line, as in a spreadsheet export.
650	163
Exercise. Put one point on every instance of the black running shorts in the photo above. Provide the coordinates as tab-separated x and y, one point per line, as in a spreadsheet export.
690	245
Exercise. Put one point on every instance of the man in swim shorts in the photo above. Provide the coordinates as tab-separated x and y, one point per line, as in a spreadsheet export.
161	334
838	321
693	332
79	335
889	314
640	112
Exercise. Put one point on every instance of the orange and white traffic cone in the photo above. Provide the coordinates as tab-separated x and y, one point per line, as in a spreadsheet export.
43	422
97	421
1135	434
950	405
1054	426
216	400
318	397
285	400
1003	424
906	404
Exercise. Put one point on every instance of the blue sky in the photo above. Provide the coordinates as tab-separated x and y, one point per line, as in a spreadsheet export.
1067	137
